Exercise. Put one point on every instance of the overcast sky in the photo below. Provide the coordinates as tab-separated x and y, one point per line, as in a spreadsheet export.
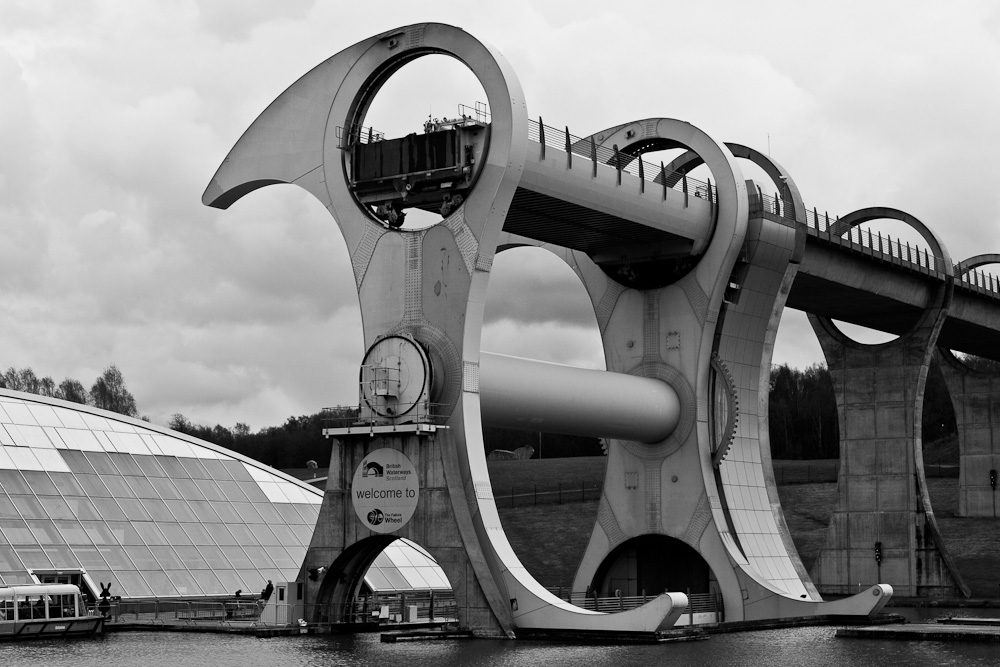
114	116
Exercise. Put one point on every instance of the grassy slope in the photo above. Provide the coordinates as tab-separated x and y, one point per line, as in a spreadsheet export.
550	539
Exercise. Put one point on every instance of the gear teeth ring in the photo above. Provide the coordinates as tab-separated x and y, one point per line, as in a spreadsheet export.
724	436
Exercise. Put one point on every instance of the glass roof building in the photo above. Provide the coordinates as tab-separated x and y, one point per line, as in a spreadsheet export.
405	566
155	512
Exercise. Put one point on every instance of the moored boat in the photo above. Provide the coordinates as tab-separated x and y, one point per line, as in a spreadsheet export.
45	610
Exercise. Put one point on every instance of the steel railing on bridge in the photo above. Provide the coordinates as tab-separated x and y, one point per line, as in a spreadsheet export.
873	244
393	607
858	239
593	154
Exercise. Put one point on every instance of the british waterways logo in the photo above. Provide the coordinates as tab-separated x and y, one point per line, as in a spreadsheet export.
371	469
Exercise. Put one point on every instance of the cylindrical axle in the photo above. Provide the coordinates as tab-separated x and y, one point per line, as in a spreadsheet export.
539	396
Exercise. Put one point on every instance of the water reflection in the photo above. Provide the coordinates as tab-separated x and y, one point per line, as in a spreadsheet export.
795	646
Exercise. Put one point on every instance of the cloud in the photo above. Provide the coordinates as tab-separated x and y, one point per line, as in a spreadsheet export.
114	116
533	286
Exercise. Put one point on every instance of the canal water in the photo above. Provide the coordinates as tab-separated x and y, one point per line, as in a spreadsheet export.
814	646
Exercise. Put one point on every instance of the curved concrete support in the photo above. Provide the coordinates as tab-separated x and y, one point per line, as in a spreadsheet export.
975	397
428	284
879	390
755	531
771	583
773	250
638	341
660	613
668	333
296	140
869	601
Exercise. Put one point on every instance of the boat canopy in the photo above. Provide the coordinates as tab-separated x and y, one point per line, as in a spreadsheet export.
37	590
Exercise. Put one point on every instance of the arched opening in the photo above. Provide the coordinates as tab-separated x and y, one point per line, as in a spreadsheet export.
802	408
863	335
415	151
650	565
538	309
385	579
962	471
661	162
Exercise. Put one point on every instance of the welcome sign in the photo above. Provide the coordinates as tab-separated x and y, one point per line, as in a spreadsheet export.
385	490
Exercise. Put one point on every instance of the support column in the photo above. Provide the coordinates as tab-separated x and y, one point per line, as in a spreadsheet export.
346	547
975	396
883	528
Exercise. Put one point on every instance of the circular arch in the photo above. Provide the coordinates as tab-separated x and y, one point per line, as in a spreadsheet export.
779	176
940	299
949	358
650	564
842	338
393	50
863	215
965	267
347	573
730	219
310	115
358	114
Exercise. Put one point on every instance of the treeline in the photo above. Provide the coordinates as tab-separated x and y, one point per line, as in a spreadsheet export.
291	445
802	412
300	439
802	419
108	391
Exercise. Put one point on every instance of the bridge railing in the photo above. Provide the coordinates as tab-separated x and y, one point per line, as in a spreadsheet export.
863	240
859	239
592	154
424	606
343	416
187	611
979	281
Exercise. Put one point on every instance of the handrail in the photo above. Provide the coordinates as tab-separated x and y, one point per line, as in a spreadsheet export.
913	257
873	244
647	172
355	415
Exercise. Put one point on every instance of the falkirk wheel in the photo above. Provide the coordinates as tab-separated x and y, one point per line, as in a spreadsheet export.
687	291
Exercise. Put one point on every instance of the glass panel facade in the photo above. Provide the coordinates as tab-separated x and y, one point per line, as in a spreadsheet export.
155	513
404	566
